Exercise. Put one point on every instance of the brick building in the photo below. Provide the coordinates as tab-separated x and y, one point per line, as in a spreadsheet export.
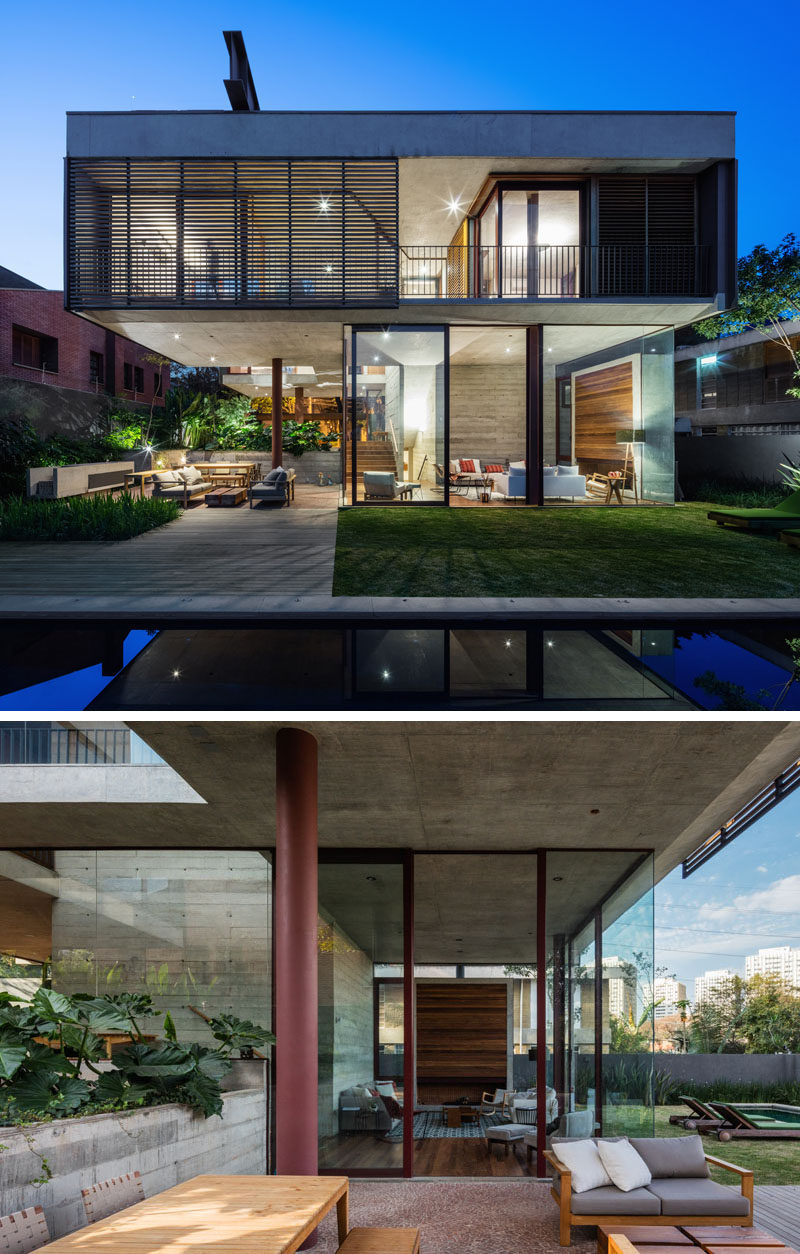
43	346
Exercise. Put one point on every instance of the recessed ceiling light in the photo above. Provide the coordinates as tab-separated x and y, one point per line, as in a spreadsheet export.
594	811
176	336
213	359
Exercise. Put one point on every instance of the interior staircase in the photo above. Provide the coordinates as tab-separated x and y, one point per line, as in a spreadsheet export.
371	455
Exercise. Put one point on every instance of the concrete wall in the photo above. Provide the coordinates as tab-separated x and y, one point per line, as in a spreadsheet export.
736	1068
487	412
188	928
167	1144
346	1022
307	468
735	456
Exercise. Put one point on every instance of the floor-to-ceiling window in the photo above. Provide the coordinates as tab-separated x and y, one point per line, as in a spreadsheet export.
397	405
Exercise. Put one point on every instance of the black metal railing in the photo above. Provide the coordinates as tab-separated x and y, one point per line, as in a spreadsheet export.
382	274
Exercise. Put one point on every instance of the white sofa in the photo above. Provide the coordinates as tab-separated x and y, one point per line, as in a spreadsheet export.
562	481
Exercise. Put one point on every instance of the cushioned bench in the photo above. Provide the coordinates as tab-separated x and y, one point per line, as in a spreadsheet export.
679	1192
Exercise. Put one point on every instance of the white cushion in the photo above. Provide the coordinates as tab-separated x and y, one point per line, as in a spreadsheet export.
584	1161
386	1088
167	476
626	1168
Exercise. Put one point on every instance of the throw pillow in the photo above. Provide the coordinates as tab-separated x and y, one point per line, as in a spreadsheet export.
493	470
467	466
584	1161
166	476
626	1168
393	1107
386	1088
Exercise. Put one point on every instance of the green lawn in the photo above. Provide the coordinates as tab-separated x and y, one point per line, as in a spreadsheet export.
772	1162
650	552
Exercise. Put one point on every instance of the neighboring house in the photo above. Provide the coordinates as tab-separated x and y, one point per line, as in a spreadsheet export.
63	361
737	386
500	287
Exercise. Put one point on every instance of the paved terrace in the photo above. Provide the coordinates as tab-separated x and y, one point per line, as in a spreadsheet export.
273	566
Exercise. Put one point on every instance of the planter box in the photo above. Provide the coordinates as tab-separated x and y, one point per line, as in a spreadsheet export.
167	1144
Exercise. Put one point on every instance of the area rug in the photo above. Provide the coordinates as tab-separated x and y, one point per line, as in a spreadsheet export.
429	1124
471	1216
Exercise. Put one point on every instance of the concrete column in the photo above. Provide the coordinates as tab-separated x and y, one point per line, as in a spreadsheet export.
277	412
295	914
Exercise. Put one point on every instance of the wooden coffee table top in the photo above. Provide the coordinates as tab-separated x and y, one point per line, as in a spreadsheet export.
643	1234
733	1237
737	1249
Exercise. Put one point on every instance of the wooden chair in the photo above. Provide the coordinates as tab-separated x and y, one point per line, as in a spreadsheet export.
109	1196
23	1231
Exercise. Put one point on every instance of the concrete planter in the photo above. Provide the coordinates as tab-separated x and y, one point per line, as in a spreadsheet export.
167	1144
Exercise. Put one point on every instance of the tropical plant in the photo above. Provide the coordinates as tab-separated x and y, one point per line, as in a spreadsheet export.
49	1046
239	1034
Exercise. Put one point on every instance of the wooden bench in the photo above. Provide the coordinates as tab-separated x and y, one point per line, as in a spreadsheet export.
381	1241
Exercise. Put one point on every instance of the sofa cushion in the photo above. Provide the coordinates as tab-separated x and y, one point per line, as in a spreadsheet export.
190	475
627	1169
469	466
494	468
672	1157
697	1197
583	1160
549	472
567	470
166	476
611	1201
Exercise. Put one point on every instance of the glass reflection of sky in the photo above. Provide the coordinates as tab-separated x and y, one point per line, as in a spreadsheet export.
762	680
74	690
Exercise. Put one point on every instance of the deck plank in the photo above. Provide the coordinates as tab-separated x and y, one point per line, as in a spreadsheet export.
777	1210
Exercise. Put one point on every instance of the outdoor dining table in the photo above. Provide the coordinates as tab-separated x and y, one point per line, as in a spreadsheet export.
245	469
262	1214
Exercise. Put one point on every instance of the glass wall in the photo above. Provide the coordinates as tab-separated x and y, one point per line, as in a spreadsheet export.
488	397
361	1096
397	402
192	930
608	415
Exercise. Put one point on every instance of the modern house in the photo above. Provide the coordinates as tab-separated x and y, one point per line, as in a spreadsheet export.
385	894
493	294
67	366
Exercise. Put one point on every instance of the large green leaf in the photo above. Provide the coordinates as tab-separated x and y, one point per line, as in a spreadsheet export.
13	1053
51	1007
113	1087
203	1093
162	1061
35	1094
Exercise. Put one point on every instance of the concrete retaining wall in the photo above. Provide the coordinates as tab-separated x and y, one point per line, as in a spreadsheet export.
734	1068
308	468
735	456
167	1144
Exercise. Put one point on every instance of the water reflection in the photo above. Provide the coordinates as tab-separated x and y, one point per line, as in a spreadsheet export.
715	666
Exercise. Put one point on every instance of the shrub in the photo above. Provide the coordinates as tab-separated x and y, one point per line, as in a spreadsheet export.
738	493
83	517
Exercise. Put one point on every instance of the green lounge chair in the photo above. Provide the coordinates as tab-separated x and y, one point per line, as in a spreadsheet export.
775	519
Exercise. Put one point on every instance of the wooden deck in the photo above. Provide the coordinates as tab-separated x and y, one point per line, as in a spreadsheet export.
777	1210
219	553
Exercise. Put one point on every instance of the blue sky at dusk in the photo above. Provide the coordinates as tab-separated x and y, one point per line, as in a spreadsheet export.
745	899
414	56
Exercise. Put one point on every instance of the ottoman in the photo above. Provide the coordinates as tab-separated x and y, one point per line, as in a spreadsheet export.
505	1134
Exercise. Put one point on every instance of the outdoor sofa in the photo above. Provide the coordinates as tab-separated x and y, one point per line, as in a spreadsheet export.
776	519
273	487
679	1192
557	481
180	485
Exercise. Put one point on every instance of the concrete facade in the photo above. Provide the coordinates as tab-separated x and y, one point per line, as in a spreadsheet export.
167	1144
345	1020
487	412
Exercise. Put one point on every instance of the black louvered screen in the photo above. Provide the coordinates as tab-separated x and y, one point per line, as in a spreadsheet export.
646	241
217	232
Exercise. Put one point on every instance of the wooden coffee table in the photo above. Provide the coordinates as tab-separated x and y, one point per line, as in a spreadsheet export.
645	1236
454	1115
226	496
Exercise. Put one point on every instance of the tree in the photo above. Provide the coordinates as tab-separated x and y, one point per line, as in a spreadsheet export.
716	1026
771	1017
769	295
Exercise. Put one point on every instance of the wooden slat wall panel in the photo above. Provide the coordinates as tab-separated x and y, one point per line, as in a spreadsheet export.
603	406
461	1033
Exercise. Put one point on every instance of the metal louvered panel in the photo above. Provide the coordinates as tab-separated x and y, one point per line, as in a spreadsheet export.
647	237
231	233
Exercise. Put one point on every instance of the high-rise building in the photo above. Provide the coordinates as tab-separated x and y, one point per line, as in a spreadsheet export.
782	961
710	985
667	991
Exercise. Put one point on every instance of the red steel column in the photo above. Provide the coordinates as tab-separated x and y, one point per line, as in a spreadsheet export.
295	914
277	412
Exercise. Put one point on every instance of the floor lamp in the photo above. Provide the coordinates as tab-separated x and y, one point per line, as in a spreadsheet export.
630	437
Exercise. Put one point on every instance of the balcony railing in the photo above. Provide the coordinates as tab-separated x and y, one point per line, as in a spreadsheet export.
383	274
54	745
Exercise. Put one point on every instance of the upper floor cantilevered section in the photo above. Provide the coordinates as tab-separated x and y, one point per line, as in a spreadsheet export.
374	210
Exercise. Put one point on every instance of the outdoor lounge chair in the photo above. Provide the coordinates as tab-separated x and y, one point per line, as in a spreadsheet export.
180	485
110	1196
776	519
739	1124
273	487
24	1231
702	1118
381	485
